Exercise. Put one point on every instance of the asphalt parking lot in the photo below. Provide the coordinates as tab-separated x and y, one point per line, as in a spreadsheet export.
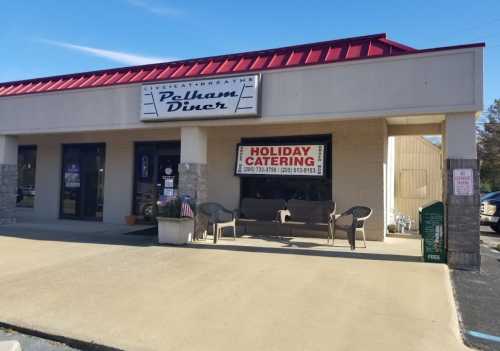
478	296
32	343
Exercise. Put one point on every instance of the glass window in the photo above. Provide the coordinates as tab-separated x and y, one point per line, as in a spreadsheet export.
283	187
156	176
26	171
82	188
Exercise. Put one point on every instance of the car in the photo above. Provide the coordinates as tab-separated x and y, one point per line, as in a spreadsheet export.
490	210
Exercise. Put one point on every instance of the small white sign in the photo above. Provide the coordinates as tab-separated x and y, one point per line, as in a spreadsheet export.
169	192
226	97
463	182
281	160
169	182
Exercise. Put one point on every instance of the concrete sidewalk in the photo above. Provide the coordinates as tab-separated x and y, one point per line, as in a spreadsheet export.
139	296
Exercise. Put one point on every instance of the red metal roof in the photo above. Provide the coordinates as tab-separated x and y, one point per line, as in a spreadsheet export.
356	48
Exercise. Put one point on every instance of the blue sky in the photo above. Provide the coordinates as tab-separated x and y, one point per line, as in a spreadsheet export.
48	37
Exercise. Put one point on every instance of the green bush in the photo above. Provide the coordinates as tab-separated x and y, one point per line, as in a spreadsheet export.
486	187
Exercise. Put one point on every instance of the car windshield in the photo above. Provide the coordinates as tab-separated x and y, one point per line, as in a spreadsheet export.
489	196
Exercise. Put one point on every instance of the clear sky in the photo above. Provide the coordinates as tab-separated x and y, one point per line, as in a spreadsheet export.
49	37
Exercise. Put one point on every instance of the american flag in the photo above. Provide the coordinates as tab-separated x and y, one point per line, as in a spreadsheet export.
186	210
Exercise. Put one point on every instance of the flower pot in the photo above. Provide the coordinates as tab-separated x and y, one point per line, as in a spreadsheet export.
176	231
130	220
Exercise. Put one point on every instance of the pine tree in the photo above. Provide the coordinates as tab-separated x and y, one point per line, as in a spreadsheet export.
489	149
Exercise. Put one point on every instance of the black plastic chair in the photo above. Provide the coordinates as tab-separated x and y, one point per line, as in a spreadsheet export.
218	217
359	215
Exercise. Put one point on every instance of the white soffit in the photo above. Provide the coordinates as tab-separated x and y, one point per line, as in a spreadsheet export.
420	119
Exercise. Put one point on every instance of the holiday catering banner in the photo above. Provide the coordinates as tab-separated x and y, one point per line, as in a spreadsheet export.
204	98
281	160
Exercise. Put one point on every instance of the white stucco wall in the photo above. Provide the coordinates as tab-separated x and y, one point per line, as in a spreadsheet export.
119	176
357	159
349	100
358	155
391	150
359	170
118	180
193	145
432	82
47	178
459	136
8	150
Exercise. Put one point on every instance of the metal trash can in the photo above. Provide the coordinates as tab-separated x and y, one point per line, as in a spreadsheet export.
431	228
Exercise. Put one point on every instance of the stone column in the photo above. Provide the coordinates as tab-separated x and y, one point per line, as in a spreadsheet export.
8	179
193	170
461	211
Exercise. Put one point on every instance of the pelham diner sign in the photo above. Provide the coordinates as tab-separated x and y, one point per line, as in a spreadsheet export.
281	160
225	97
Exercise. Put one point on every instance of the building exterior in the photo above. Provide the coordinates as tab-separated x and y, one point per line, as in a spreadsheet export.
418	175
110	142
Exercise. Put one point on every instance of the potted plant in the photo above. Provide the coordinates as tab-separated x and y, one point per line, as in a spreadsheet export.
175	221
131	219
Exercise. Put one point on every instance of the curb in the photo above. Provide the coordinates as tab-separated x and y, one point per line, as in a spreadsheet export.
456	313
71	342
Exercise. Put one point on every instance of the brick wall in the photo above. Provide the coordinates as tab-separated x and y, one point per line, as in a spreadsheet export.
462	219
193	182
8	193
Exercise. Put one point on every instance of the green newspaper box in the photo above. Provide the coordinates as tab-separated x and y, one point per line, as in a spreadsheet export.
431	227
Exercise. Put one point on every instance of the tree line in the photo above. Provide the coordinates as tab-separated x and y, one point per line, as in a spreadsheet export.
488	148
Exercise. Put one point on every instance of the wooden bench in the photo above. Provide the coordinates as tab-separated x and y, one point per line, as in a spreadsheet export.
259	214
279	217
309	216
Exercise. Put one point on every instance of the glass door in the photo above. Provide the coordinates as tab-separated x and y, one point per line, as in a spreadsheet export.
26	172
82	189
156	176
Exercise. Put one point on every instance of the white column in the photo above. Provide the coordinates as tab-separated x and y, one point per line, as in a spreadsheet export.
461	211
460	136
391	159
193	169
118	180
193	145
48	180
8	150
8	178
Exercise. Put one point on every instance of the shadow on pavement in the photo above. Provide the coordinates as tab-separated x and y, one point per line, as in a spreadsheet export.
305	252
147	237
79	237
